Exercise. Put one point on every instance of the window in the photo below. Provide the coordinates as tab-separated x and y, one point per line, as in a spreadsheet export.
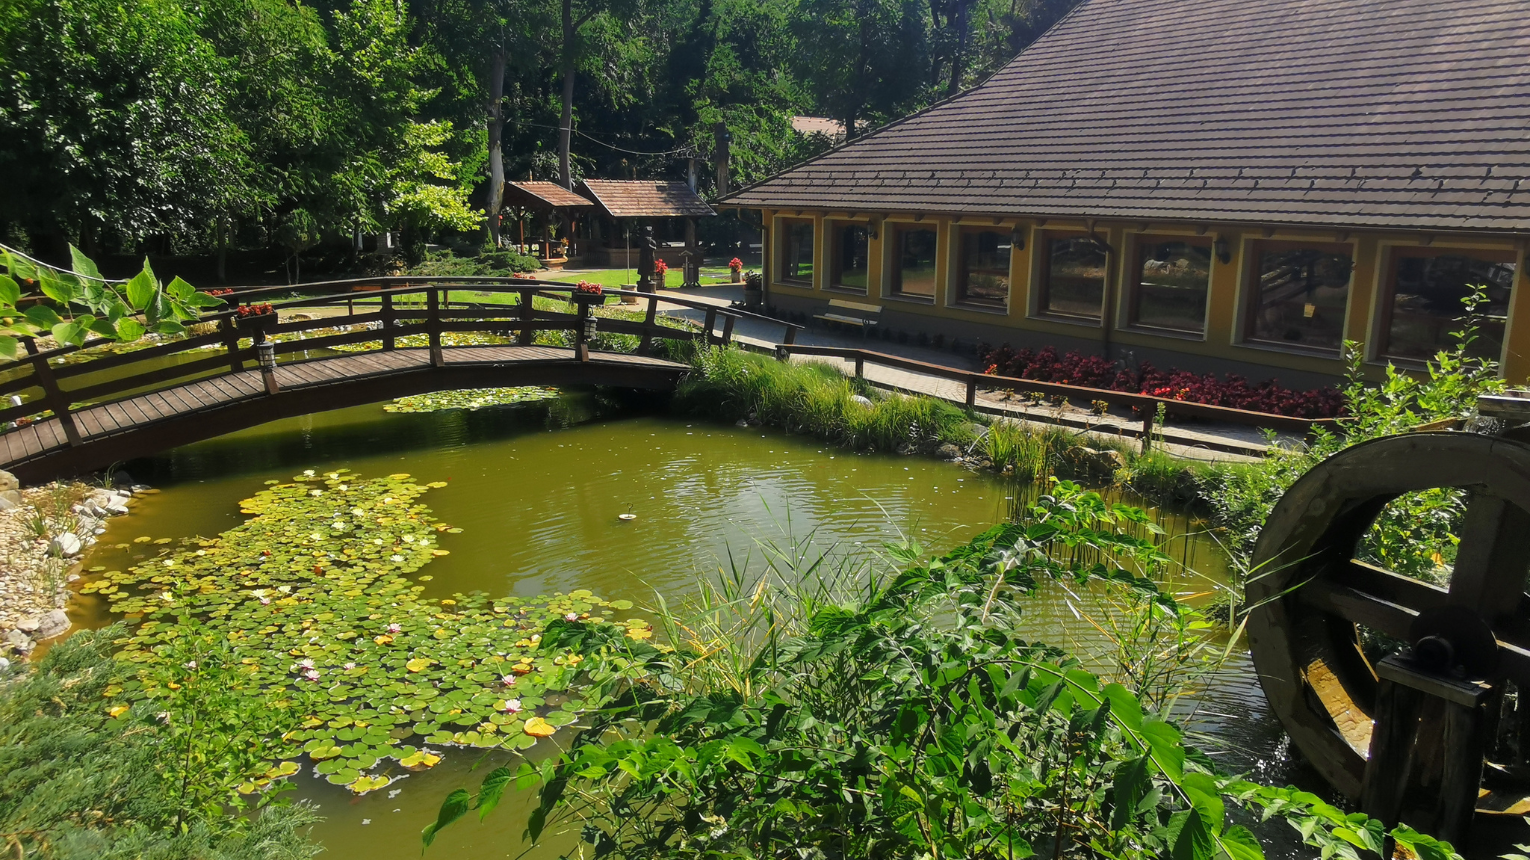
1300	293
1170	290
797	252
1422	305
1073	276
913	271
848	267
982	275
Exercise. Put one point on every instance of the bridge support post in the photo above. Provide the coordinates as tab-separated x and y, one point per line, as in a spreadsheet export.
231	343
711	321
265	352
584	330
433	327
387	319
527	313
54	396
646	343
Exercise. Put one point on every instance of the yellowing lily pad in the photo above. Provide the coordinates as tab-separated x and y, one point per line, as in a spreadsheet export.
539	728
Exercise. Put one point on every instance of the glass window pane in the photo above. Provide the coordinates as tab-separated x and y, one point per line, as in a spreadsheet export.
914	269
851	246
1426	295
1172	279
1075	277
797	252
983	276
1300	297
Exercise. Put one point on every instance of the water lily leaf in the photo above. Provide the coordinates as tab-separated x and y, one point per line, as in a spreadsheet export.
418	664
539	728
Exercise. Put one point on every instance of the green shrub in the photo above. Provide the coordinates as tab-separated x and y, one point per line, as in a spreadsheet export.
77	783
729	384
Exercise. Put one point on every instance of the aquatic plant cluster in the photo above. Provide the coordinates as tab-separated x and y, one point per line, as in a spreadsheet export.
471	399
314	599
1073	368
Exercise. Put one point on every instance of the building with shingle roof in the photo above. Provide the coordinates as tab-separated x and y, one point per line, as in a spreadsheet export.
1227	184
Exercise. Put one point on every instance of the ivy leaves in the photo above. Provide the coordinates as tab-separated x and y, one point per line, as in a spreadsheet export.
74	305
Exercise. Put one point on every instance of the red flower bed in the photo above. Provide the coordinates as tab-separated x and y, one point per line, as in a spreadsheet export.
246	311
589	289
1091	371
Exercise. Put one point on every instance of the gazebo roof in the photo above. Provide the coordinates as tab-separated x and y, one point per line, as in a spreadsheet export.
543	195
645	198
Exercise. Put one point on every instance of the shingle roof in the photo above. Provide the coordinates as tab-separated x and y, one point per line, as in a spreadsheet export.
543	194
1379	113
645	198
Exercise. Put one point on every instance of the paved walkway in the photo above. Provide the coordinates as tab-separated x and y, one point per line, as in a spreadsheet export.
1200	440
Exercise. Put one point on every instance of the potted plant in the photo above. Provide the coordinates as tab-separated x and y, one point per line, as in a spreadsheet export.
736	269
659	268
754	290
255	317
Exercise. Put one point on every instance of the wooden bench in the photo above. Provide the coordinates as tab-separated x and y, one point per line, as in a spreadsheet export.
857	314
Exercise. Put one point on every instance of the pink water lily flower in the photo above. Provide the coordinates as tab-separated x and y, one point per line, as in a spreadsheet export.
394	628
508	680
572	616
512	706
311	674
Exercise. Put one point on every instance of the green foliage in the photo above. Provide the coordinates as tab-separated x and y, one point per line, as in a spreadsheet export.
729	384
79	304
76	783
471	399
1416	534
299	636
489	263
904	719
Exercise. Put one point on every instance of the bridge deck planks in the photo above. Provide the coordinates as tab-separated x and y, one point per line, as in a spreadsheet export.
207	394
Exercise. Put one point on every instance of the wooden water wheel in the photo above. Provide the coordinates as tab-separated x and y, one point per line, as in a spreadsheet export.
1406	737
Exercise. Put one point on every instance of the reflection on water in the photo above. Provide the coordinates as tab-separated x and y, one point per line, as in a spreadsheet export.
537	492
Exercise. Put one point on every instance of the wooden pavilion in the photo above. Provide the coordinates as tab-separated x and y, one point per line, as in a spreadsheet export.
621	203
553	206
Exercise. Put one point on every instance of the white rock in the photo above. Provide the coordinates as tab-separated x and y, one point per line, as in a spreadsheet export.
29	625
864	401
66	545
9	500
55	623
8	481
742	422
19	642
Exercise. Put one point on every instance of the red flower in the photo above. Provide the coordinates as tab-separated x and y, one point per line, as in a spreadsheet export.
660	267
589	289
735	264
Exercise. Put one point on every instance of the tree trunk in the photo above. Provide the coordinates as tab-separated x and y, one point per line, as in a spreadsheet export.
496	134
566	123
959	53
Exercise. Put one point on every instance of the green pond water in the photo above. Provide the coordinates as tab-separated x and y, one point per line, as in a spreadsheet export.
537	492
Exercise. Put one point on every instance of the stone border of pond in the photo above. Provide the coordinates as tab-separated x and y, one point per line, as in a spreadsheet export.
44	534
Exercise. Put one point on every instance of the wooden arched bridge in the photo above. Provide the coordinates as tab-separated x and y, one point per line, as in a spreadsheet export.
76	409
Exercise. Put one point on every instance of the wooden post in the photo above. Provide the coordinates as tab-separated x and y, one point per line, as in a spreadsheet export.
860	365
711	321
972	384
581	341
433	327
231	343
727	335
790	337
646	343
1148	417
527	312
54	396
1425	762
387	319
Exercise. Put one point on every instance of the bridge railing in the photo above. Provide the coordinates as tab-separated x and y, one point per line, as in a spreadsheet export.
390	309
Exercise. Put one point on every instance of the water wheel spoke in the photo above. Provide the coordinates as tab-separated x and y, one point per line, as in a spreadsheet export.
1489	575
1360	606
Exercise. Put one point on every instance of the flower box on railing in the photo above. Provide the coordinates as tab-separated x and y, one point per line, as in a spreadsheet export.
252	318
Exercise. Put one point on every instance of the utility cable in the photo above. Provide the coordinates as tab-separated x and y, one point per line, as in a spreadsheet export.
80	275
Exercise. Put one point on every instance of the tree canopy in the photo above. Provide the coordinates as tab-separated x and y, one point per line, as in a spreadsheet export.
198	124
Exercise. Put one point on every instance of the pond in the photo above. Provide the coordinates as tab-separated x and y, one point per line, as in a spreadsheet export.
537	491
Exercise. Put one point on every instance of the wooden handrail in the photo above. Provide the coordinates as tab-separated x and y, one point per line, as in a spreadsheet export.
431	317
1146	402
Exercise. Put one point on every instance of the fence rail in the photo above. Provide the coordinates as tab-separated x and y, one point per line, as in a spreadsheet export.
1147	404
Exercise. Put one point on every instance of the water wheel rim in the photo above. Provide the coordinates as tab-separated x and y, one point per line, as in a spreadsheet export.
1307	592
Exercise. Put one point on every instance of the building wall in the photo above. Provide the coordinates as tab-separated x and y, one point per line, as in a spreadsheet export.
1223	346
